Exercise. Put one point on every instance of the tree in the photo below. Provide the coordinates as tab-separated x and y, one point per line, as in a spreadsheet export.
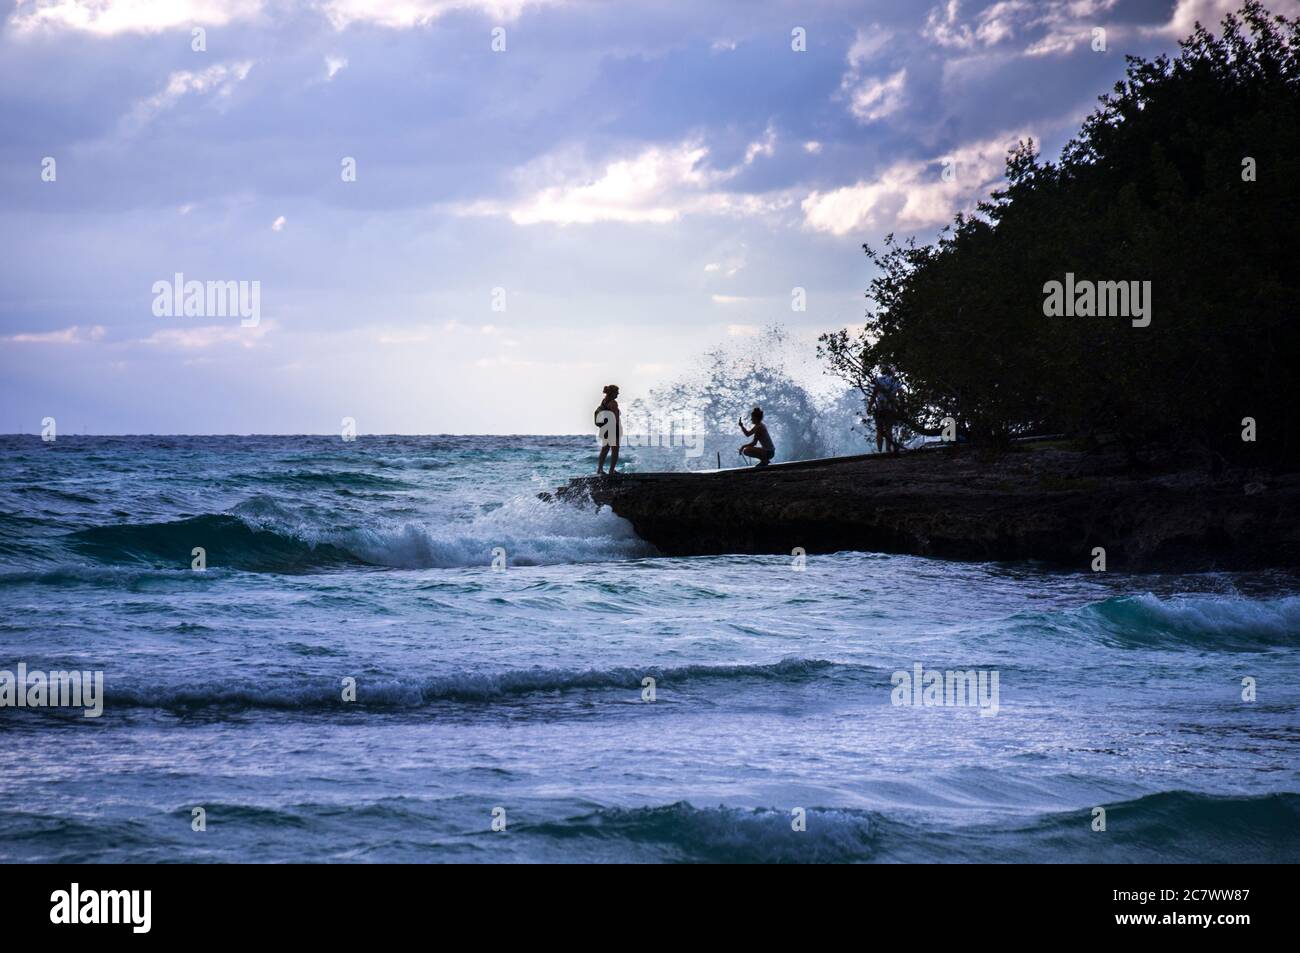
1152	189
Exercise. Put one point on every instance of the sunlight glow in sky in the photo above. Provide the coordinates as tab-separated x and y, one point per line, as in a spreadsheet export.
620	187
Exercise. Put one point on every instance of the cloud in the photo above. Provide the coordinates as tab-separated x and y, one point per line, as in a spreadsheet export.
871	97
73	335
594	116
943	27
1209	13
404	14
913	193
1059	25
111	17
763	147
1000	21
743	330
405	337
1067	25
730	266
505	360
650	187
279	223
426	333
218	80
868	44
660	184
206	336
415	335
874	98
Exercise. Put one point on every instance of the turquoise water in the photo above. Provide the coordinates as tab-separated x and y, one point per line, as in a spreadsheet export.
517	694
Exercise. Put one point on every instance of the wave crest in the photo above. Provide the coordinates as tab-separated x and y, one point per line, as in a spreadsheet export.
261	536
1212	622
321	692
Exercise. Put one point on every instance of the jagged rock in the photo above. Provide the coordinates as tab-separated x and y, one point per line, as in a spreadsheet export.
1045	503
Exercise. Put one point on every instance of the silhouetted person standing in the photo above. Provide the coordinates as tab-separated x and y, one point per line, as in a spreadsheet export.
885	405
609	422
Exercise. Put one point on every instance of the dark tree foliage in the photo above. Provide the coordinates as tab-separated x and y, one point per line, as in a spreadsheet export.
1151	189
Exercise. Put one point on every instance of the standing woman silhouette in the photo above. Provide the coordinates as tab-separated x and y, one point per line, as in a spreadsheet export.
610	424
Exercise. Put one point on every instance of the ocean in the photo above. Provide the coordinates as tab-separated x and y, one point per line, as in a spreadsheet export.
351	678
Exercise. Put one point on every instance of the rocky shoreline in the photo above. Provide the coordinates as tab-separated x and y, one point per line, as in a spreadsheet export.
1047	503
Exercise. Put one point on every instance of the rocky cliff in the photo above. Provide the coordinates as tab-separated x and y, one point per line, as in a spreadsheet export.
1043	503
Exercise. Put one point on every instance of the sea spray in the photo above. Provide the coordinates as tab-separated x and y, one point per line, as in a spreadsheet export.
769	370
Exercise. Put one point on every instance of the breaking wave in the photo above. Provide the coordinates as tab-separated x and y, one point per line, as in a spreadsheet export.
261	537
319	692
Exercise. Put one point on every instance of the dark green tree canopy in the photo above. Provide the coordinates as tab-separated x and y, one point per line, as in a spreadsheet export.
1187	176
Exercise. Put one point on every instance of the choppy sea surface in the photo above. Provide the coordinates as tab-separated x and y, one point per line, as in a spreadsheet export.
518	695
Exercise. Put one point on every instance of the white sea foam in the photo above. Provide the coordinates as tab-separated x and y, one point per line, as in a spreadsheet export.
530	531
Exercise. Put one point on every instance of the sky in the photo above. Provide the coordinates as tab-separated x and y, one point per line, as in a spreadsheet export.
467	216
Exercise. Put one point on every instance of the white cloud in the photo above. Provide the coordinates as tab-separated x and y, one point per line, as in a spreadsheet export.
111	17
1061	25
418	335
743	330
1000	21
867	44
913	193
763	147
205	336
505	360
426	333
731	265
646	188
726	299
871	97
812	147
73	335
218	80
660	184
404	14
874	98
1209	13
278	224
995	23
1069	23
942	27
333	64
